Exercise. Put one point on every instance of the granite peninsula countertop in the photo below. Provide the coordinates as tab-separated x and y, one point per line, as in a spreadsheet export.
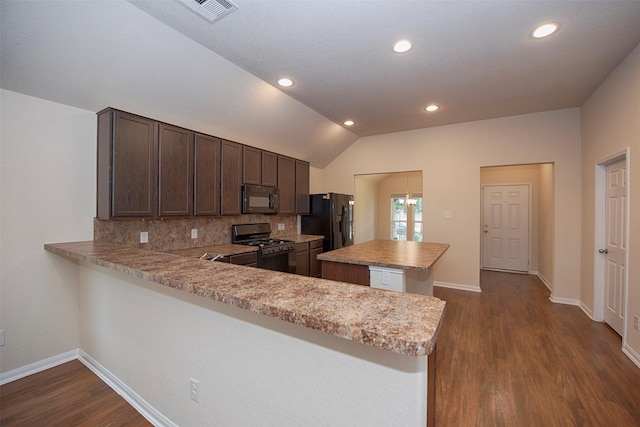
230	249
401	322
405	255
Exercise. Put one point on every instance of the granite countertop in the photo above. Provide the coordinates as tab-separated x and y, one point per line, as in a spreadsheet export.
213	250
230	249
389	253
401	322
302	238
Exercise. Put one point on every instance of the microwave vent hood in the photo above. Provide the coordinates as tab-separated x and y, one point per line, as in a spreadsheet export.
211	10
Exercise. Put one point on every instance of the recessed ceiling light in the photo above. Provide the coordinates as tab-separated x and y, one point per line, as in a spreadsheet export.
349	123
402	46
545	30
284	82
431	108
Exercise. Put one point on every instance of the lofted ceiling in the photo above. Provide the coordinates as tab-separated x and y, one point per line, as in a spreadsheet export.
476	59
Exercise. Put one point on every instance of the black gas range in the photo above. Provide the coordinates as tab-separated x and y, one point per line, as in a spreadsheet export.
273	253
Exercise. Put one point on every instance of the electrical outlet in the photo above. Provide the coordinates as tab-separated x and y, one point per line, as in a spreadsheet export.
448	214
193	393
386	278
1	337
635	322
194	233
144	237
280	226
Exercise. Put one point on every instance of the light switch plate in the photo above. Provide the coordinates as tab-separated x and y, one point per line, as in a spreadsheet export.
144	237
1	337
448	214
194	233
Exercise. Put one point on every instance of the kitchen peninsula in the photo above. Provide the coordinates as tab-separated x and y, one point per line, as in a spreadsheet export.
165	302
386	264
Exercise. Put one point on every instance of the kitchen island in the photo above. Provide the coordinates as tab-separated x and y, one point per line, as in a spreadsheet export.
350	354
386	264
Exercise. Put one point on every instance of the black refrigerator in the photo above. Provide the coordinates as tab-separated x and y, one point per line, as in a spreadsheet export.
331	216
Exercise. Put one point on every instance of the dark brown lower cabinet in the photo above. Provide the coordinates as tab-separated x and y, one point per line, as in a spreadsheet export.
248	259
304	259
315	265
349	273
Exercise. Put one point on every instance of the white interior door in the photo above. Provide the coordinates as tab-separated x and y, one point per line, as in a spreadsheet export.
506	227
615	245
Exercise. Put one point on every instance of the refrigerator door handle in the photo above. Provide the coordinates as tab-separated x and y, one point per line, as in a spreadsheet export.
342	229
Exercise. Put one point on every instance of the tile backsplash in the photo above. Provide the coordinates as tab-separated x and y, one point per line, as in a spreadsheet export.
175	233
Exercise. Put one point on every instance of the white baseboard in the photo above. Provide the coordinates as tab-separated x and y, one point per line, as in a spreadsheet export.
143	407
544	281
154	416
631	354
34	368
588	311
567	301
460	287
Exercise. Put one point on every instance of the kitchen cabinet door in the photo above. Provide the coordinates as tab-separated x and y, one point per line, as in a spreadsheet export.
127	165
302	187
286	184
315	266
206	176
252	165
269	169
175	171
231	177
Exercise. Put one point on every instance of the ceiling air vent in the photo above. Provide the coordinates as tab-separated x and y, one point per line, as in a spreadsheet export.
211	10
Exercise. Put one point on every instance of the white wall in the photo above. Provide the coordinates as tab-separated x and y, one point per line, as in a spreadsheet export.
451	157
48	195
546	223
252	369
610	124
366	200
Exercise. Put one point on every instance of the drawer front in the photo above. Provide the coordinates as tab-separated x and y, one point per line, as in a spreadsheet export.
301	247
244	259
316	244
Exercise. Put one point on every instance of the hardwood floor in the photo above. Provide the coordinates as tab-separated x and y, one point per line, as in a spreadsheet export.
506	357
510	357
67	395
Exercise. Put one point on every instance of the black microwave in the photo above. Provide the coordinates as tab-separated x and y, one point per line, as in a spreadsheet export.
259	199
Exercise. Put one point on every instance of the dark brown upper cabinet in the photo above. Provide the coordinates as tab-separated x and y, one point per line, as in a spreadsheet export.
206	176
252	165
175	171
127	165
269	169
231	177
147	168
286	184
302	187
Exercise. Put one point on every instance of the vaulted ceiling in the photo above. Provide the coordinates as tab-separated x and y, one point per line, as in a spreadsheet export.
475	59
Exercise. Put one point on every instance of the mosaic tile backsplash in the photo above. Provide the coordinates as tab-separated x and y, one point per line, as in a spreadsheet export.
175	233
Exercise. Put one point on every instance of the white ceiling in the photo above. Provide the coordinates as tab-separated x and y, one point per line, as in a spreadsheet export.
474	58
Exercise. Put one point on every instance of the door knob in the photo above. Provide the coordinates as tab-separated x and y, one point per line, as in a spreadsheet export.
603	251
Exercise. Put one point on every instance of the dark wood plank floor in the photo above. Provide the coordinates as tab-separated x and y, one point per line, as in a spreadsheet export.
506	357
67	395
510	357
